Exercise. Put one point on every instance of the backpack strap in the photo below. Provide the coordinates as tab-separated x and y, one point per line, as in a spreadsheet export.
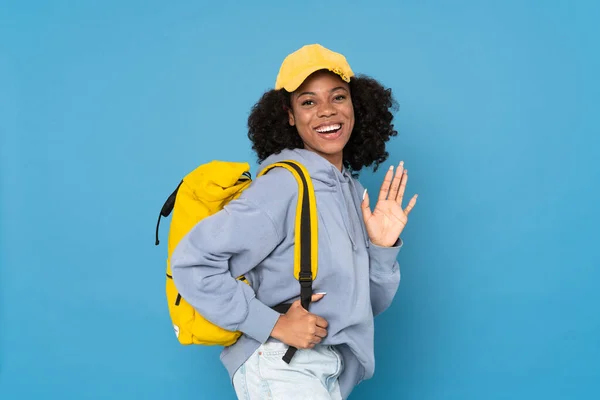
306	235
166	209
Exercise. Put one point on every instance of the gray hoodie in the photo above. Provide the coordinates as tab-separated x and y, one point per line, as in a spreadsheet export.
254	236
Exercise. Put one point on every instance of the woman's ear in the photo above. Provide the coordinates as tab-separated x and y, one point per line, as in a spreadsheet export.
291	118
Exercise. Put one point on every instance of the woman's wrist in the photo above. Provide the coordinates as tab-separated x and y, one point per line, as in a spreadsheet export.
396	243
278	329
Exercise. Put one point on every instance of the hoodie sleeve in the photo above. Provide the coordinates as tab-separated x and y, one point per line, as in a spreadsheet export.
384	270
228	244
384	275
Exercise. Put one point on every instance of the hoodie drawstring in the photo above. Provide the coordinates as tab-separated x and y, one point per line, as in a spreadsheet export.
358	205
344	207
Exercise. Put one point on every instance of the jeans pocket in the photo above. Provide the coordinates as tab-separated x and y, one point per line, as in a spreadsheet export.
339	357
273	348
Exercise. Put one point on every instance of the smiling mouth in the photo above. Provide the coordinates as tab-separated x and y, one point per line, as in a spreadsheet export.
328	129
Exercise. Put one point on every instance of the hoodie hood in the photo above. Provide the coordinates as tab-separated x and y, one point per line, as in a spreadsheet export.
326	177
323	173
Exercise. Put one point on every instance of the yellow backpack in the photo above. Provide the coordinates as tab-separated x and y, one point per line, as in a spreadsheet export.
205	191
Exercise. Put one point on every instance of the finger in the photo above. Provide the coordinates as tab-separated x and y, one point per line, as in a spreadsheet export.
396	182
305	344
385	186
366	210
411	204
320	332
400	195
321	322
317	297
315	340
296	305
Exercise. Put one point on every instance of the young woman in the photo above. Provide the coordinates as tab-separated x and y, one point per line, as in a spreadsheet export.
333	123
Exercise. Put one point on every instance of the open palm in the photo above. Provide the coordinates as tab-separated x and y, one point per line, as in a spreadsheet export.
388	219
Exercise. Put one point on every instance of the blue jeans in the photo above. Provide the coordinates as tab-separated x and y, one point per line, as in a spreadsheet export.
312	374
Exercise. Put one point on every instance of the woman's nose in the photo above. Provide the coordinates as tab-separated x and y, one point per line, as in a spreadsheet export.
326	109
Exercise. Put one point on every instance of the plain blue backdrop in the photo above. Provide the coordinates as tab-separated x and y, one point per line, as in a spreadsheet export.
104	106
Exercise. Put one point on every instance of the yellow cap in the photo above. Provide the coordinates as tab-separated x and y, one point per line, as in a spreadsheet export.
310	58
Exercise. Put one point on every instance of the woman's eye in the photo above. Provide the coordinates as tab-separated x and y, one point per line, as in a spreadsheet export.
307	103
340	97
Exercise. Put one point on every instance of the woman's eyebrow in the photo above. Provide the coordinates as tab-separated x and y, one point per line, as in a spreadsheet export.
331	91
307	93
338	88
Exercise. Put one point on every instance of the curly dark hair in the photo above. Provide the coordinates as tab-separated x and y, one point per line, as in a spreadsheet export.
270	132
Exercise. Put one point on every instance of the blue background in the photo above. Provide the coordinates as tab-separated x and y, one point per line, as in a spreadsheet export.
105	105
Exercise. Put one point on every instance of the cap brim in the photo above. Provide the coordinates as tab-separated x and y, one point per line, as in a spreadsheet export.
295	83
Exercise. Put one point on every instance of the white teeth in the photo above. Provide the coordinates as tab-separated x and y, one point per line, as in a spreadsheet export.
329	128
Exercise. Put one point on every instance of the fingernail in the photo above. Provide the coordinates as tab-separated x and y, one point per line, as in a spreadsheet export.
364	194
401	163
391	167
323	293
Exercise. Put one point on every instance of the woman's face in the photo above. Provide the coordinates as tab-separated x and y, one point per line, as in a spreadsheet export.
323	115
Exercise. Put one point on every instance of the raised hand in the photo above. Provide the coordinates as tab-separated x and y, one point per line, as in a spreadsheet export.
385	224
